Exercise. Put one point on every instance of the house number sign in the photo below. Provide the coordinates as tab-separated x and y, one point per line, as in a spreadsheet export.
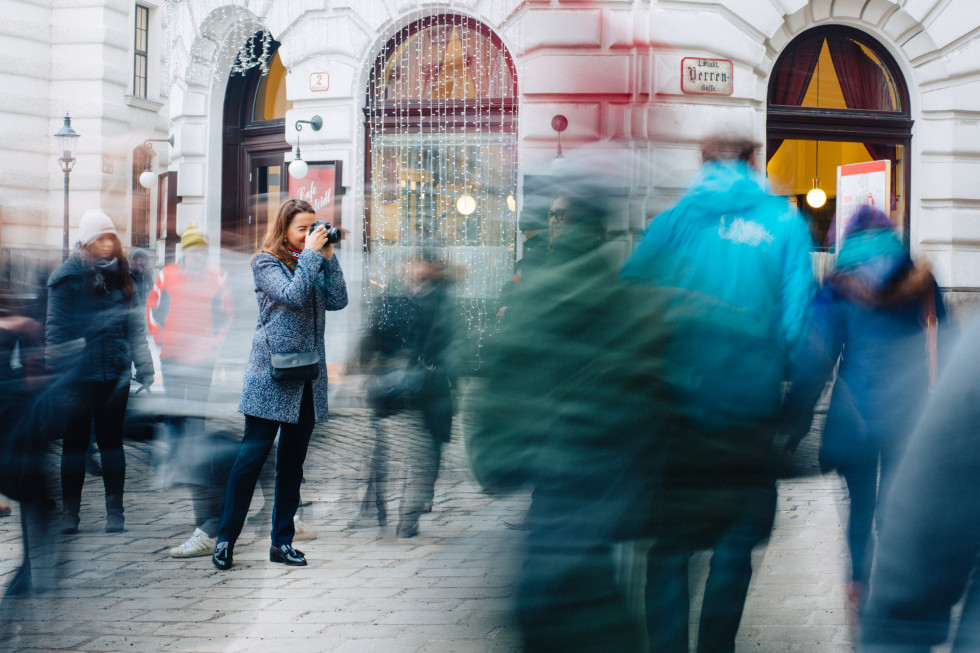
706	76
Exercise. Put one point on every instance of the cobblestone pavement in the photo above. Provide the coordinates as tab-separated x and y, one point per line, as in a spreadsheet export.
450	589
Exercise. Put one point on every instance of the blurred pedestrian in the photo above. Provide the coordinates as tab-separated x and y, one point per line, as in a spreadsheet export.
95	332
188	312
735	259
869	323
22	448
297	278
570	406
928	539
141	269
534	225
413	340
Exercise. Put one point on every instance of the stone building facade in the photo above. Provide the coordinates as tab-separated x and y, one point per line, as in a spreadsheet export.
612	68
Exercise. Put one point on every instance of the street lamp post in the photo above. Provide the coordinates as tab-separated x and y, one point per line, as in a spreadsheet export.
66	140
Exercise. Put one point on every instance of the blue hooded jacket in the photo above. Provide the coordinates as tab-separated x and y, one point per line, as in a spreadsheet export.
737	260
867	320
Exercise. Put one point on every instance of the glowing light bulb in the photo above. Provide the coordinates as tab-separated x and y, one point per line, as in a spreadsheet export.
816	197
466	204
147	179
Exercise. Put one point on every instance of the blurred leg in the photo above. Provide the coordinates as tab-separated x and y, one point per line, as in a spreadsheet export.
422	472
667	599
862	481
567	598
731	570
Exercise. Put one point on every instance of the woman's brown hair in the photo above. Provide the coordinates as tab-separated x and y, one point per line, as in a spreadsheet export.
274	241
125	279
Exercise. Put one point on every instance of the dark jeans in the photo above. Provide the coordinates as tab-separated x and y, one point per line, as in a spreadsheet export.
104	405
667	596
294	439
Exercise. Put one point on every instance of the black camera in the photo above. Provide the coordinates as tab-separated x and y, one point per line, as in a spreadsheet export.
333	234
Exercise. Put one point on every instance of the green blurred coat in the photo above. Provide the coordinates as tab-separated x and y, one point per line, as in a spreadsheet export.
574	399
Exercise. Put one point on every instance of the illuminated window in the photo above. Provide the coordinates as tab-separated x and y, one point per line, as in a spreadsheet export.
836	97
270	97
442	160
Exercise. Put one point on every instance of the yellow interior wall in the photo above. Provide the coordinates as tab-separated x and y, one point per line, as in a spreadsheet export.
792	169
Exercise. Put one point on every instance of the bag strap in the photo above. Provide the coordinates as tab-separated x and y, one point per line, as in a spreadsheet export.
266	333
932	337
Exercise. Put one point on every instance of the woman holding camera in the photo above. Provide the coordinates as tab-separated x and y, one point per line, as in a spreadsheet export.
297	278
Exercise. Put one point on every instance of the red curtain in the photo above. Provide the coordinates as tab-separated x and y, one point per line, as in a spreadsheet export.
862	80
865	86
791	80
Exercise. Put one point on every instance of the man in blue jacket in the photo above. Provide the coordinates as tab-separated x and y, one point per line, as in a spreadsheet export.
735	260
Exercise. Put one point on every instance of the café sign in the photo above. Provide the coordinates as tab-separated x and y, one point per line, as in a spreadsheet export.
706	76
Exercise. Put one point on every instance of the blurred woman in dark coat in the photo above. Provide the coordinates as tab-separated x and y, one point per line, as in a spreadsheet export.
869	319
415	329
95	332
572	405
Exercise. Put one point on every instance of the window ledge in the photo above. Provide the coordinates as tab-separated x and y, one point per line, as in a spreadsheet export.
143	103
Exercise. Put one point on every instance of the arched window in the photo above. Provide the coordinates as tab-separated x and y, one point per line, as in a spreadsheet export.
836	97
254	149
441	113
140	234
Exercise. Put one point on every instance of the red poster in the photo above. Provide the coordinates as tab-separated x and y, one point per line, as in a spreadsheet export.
320	188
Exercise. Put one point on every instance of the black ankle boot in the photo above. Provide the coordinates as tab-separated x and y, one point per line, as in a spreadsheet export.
69	514
114	519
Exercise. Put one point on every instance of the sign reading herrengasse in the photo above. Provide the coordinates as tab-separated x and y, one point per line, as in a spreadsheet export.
706	76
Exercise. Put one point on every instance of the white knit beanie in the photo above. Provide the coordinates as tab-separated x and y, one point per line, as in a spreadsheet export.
95	223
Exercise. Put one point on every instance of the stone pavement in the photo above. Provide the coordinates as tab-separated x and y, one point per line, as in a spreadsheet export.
448	590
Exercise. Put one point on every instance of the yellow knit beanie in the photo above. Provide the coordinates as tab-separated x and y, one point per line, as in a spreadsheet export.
192	237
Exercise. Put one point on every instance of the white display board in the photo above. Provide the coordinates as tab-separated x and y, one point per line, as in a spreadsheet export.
859	184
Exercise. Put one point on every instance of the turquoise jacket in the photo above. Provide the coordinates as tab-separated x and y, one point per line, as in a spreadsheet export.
736	260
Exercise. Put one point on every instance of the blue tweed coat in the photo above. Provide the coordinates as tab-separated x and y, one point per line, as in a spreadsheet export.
287	302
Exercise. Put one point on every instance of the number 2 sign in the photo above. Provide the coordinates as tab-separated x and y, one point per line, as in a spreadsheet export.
319	81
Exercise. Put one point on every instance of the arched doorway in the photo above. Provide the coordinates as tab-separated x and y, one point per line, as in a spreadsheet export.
837	97
441	131
254	144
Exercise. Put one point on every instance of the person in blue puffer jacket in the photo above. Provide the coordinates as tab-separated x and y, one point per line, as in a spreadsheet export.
734	263
868	319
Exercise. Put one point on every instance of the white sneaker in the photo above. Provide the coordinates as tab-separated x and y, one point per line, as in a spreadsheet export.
199	544
303	531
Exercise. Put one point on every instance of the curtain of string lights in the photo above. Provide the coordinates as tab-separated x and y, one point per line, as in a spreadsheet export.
442	157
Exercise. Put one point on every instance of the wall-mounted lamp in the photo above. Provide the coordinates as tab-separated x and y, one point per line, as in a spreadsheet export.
148	178
559	123
298	167
559	165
